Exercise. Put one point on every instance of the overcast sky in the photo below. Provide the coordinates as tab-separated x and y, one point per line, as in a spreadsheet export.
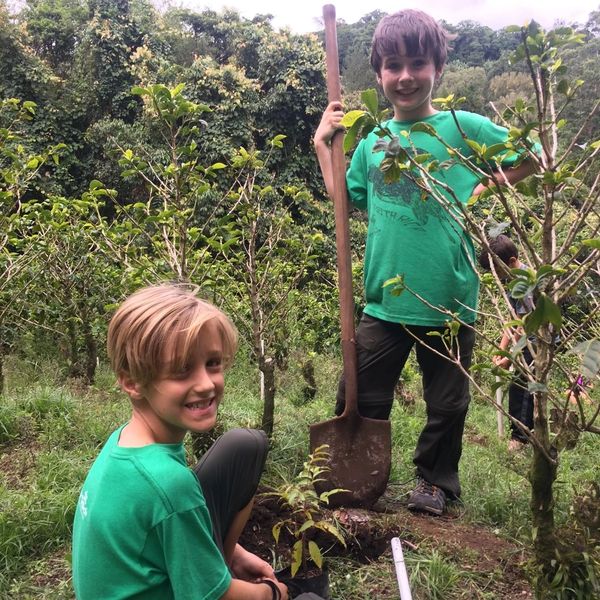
304	15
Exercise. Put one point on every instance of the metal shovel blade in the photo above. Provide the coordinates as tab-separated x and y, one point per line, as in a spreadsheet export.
359	450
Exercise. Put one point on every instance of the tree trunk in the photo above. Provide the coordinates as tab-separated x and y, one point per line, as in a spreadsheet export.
309	390
267	368
544	467
1	370
542	476
91	351
74	368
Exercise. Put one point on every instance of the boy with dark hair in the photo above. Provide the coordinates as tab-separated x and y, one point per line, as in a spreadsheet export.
421	240
505	256
146	526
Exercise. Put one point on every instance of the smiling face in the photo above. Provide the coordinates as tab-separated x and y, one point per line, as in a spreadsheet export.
184	399
408	82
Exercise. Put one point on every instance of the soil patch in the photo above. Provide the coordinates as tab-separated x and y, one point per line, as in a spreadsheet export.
474	549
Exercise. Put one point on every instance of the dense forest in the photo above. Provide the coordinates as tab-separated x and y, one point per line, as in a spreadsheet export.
138	146
79	61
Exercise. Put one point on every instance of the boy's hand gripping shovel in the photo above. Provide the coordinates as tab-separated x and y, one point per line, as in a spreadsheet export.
359	447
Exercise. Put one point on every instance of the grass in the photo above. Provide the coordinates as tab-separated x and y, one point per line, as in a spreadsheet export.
50	433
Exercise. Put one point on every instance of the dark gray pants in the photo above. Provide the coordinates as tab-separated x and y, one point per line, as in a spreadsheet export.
520	402
229	473
382	351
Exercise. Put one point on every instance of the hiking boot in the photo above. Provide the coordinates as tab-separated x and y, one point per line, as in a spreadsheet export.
427	497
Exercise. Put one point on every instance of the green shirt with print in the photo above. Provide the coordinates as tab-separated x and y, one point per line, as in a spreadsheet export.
413	235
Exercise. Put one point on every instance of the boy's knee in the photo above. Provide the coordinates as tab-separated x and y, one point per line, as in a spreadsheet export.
245	442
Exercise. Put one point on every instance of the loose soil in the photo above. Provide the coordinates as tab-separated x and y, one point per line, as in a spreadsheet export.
474	549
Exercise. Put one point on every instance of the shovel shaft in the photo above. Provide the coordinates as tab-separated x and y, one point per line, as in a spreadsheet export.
342	227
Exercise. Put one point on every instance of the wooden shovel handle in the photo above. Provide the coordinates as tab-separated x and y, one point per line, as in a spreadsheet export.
342	226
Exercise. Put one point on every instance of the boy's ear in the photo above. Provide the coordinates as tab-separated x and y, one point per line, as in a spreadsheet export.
131	387
513	262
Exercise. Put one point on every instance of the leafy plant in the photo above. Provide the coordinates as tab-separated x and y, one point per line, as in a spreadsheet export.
307	516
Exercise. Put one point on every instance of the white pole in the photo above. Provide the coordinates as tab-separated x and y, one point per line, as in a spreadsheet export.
401	573
499	414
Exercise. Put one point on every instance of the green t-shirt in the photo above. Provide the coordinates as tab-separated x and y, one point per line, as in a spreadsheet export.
142	529
417	237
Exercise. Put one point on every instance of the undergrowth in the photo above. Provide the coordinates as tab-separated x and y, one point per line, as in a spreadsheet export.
50	433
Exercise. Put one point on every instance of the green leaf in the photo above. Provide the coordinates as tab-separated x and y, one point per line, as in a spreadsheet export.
332	530
475	147
397	283
590	357
353	132
351	117
95	184
546	311
296	558
423	128
521	287
494	151
306	525
177	90
592	243
546	271
370	100
421	158
29	106
536	386
277	530
315	554
277	141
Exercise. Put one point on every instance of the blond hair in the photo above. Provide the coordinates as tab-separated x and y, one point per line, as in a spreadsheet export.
413	31
162	325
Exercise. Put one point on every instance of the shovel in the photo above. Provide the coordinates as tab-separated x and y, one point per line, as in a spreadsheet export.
359	447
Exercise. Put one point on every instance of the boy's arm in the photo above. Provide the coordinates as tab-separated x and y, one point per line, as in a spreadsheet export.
503	361
244	590
330	124
508	176
249	567
250	570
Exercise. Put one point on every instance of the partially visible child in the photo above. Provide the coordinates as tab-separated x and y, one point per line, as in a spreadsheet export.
146	526
580	390
520	400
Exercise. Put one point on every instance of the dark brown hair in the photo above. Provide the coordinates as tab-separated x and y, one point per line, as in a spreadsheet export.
502	247
412	30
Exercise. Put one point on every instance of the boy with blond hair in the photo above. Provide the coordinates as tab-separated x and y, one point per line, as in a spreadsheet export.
146	526
421	240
